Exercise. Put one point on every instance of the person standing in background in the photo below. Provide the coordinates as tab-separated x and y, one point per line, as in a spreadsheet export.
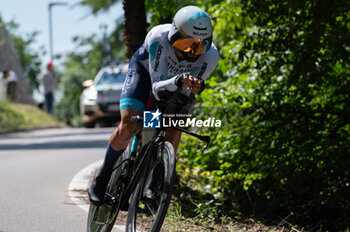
11	80
49	80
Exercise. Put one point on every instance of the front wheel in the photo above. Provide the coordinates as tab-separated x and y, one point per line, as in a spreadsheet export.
102	218
147	214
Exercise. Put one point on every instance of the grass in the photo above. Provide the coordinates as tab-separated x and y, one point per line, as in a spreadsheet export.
185	214
179	223
17	117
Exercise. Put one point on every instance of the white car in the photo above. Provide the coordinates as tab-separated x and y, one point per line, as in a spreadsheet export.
99	102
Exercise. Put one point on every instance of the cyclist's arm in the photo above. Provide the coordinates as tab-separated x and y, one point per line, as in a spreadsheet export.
158	67
208	62
195	79
171	85
156	43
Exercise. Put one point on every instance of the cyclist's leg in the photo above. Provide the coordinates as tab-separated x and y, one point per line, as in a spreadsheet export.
133	99
116	146
98	186
126	130
134	96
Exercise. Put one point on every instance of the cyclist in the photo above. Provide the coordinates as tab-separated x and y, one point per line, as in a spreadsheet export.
178	55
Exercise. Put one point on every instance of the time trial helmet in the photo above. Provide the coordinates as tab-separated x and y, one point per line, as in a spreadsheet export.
191	30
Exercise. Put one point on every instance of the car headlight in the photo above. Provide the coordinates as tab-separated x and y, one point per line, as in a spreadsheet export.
89	96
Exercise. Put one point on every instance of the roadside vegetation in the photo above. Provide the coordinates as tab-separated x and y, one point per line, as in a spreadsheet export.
193	210
18	117
281	90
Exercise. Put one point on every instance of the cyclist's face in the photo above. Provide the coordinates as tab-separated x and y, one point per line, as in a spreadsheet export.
185	55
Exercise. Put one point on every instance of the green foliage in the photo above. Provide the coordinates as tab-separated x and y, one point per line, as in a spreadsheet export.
29	57
80	65
282	91
300	52
98	6
117	41
163	11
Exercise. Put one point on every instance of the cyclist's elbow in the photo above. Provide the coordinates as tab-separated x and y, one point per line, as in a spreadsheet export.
162	92
164	95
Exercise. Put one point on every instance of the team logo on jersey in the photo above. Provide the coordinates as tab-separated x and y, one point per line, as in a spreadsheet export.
159	53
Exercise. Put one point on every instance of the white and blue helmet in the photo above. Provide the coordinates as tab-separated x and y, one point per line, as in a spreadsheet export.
191	30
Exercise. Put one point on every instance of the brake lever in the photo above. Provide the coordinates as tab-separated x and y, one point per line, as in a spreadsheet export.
203	138
206	139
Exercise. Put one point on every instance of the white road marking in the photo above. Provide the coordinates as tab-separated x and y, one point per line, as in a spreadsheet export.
80	183
77	190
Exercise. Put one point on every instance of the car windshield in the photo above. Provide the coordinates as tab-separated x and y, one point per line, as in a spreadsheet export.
112	78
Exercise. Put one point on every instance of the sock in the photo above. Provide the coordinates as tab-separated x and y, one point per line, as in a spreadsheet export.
111	156
103	174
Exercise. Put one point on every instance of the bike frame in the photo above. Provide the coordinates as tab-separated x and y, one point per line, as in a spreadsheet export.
145	159
139	163
142	160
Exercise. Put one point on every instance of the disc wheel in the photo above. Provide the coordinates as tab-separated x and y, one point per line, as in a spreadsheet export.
147	214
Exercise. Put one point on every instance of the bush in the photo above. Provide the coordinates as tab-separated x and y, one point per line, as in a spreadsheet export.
283	148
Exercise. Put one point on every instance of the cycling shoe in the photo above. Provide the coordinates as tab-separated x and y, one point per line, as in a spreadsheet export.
95	199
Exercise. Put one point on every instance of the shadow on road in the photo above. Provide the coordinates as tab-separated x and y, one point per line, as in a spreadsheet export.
56	139
57	145
86	132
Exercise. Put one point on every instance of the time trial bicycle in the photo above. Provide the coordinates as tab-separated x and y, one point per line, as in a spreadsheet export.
132	172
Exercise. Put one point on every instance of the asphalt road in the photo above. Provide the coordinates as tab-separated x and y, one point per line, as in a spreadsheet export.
36	168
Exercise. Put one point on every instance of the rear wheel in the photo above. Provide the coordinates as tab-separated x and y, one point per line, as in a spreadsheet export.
146	214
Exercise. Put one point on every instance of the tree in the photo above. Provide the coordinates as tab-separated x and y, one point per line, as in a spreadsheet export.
299	51
135	24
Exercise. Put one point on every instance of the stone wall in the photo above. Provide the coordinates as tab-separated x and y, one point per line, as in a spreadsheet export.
10	60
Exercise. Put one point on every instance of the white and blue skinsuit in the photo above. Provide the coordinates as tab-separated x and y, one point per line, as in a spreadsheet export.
155	66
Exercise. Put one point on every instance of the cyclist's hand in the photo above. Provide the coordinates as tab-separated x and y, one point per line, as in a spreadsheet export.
196	86
187	81
193	83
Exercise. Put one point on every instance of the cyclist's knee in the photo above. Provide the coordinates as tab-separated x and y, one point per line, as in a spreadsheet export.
126	129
